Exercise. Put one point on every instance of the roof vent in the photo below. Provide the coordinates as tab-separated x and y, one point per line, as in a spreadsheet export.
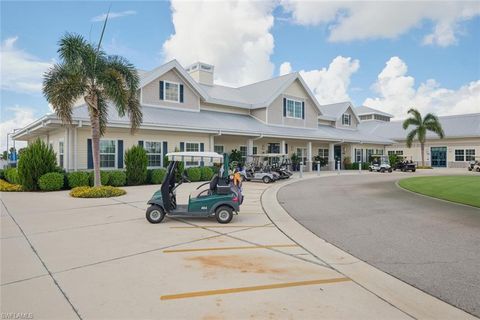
201	72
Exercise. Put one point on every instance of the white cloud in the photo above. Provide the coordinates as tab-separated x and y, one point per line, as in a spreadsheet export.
113	15
21	71
397	93
18	118
330	85
285	68
357	20
232	35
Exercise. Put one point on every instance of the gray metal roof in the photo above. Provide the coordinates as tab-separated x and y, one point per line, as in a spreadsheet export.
367	110
335	110
229	123
458	126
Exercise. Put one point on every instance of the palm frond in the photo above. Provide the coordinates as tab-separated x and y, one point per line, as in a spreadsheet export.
410	122
410	137
134	112
416	114
114	88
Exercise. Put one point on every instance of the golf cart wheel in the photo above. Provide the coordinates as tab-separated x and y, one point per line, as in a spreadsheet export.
224	214
382	170
266	179
244	178
370	169
469	169
478	169
155	214
390	170
413	170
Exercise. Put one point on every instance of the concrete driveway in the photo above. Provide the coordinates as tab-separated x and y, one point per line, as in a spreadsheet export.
430	244
65	258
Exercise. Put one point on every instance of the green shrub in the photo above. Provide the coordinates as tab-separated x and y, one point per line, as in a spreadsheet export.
104	178
36	160
7	187
194	174
158	175
136	162
354	166
117	178
2	175
97	192
394	160
51	181
180	171
236	155
11	175
206	173
78	179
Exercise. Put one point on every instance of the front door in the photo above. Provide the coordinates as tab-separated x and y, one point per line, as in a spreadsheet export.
337	154
438	157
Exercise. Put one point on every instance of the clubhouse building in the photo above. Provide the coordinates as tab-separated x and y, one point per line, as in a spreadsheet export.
184	110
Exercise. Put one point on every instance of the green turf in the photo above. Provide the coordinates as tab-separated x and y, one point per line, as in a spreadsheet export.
461	189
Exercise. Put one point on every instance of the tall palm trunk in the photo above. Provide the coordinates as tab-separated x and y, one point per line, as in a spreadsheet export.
95	121
422	150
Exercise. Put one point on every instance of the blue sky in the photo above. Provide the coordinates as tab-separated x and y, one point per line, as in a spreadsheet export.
295	32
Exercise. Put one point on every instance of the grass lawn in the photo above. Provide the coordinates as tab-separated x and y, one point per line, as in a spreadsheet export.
461	189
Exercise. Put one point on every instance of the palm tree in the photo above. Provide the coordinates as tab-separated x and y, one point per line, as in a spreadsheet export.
429	123
87	72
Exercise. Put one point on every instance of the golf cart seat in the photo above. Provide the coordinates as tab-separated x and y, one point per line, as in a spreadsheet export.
206	188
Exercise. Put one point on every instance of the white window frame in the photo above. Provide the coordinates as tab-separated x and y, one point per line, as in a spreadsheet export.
165	91
61	153
219	145
114	154
323	153
294	107
349	117
462	155
246	151
187	163
471	155
154	153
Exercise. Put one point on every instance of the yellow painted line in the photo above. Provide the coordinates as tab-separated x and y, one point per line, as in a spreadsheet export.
233	226
231	248
253	288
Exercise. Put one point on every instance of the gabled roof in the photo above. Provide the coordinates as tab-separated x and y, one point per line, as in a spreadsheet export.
363	110
335	110
456	126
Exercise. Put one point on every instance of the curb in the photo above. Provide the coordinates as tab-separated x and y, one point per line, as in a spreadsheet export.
410	300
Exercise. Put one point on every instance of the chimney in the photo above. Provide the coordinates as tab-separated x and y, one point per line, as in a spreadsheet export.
201	72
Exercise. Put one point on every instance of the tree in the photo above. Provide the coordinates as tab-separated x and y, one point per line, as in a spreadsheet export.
429	123
89	73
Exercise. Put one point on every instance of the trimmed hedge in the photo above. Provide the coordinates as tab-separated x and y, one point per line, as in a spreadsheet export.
11	175
136	162
354	166
51	181
78	179
194	174
206	173
97	192
117	178
157	175
36	160
104	178
8	187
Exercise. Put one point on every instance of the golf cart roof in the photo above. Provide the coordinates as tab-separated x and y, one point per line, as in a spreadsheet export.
269	155
194	156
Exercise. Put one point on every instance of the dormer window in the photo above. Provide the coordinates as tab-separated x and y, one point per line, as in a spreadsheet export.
346	119
171	91
293	109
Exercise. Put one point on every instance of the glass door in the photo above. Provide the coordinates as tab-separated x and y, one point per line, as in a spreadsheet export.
438	157
337	154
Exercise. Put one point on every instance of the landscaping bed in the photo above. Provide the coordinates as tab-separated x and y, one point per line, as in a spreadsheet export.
460	189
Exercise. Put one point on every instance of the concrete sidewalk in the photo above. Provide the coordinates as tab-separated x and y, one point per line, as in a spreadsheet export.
65	258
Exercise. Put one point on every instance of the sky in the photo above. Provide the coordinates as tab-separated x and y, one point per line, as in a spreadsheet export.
389	55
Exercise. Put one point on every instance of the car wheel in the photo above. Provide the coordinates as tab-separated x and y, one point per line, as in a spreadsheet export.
266	179
224	214
155	214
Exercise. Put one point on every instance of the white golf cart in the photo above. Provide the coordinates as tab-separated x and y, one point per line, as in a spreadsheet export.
259	170
380	163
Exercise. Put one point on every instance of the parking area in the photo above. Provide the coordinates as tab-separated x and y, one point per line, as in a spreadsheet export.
65	258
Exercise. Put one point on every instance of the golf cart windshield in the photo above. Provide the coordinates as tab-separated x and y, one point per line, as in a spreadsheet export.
380	159
195	156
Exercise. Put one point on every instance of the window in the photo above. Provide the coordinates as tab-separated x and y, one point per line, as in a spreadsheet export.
171	91
379	151
243	151
254	150
218	149
396	152
359	155
368	155
107	153
273	148
382	118
346	119
323	153
294	109
154	153
459	155
470	155
192	147
60	153
366	117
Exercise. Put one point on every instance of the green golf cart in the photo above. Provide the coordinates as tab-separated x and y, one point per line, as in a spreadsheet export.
218	197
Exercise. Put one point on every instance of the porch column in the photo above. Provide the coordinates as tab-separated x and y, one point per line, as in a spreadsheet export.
282	147
331	158
212	143
352	153
308	166
249	150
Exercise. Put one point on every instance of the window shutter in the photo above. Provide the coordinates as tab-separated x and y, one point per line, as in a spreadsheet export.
140	143
120	154
303	109
182	146
202	148
164	152
284	107
89	154
181	93
286	148
161	90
